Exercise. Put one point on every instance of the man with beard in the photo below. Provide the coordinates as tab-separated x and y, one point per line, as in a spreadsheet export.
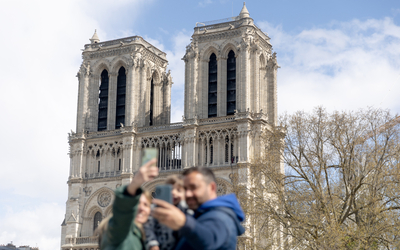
216	222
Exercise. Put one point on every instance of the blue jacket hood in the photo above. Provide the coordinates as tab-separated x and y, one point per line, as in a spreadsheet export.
229	201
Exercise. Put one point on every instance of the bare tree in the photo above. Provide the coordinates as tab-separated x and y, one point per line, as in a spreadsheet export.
328	181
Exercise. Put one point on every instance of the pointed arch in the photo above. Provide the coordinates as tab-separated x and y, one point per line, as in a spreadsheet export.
208	50
101	65
98	217
228	46
91	206
156	76
151	186
262	61
118	62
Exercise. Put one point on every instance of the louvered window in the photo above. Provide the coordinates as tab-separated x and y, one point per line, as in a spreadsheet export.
212	86
151	102
103	102
121	90
231	84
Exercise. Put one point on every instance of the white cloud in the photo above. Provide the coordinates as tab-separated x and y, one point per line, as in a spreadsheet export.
345	66
36	226
177	66
205	3
38	95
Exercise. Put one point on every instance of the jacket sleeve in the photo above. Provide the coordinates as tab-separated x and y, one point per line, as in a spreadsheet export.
210	232
124	212
149	228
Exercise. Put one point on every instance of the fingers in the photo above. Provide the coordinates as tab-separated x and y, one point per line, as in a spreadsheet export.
152	172
152	162
168	214
161	203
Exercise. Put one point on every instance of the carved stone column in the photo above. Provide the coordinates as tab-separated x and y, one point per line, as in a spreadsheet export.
143	111
203	88
222	85
94	102
83	96
131	95
272	68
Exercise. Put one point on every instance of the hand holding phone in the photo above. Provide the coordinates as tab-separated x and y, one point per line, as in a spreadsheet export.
164	192
148	170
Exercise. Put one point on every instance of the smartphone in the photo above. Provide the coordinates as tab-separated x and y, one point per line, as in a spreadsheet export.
148	154
164	192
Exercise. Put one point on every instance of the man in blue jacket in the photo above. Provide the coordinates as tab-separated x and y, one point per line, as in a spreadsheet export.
216	222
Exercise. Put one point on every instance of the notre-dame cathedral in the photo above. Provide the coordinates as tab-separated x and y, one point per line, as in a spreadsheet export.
124	105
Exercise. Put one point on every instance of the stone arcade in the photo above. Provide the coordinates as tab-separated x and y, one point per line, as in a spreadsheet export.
124	105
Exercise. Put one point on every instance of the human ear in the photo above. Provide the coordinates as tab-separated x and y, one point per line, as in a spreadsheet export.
213	186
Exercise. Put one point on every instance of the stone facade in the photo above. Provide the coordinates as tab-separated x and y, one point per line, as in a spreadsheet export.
227	143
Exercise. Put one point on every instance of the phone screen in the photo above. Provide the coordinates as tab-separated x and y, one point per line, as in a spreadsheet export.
148	154
164	192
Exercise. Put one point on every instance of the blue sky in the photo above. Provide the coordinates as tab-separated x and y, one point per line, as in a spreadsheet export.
344	55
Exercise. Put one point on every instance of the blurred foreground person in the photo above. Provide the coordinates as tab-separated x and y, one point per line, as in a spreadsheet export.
159	236
216	221
131	209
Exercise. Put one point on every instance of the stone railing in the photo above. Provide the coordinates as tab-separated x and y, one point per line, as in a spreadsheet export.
177	125
103	133
102	175
122	41
90	240
218	26
217	120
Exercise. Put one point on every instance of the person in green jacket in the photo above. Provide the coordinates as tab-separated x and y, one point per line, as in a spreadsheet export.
122	233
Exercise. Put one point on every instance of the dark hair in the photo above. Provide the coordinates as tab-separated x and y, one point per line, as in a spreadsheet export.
205	172
174	179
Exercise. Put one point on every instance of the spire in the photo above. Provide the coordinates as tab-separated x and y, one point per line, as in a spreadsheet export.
244	12
95	38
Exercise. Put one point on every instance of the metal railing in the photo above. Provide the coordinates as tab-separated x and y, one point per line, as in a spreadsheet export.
224	20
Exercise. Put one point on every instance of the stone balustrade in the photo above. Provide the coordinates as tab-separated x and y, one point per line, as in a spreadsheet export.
217	120
123	41
103	133
102	175
89	240
170	126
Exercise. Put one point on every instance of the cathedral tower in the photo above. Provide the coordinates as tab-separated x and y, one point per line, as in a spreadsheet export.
123	84
124	106
230	67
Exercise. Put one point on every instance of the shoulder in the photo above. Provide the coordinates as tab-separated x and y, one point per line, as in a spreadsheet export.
218	213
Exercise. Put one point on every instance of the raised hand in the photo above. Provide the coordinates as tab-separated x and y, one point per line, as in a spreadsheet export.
147	172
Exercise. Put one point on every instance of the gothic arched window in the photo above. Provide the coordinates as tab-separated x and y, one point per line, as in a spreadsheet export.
103	102
121	90
226	149
96	220
231	84
212	86
151	101
211	151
